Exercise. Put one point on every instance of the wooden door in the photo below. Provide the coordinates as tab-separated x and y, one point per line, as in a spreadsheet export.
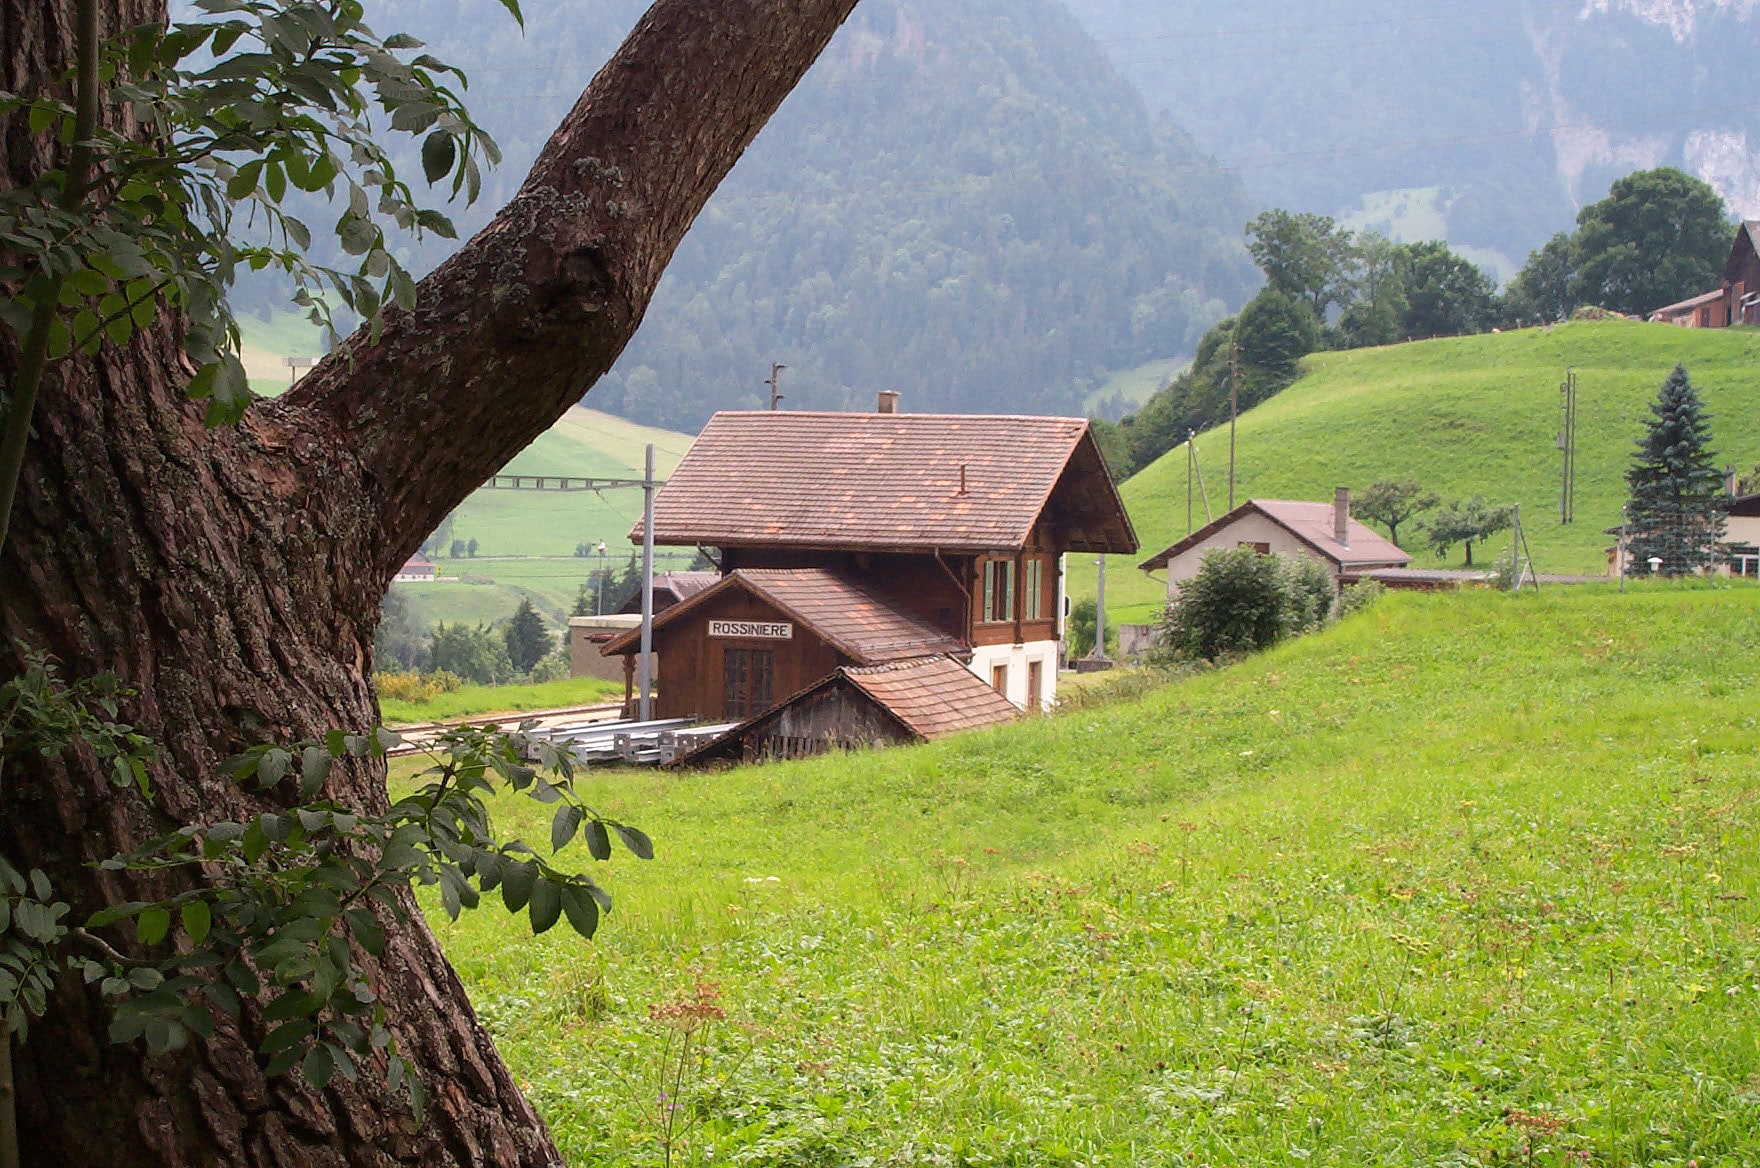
1035	686
999	678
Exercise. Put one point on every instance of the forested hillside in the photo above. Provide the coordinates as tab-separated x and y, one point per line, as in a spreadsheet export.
963	201
1508	114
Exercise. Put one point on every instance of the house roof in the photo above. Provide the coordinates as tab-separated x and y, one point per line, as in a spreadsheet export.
1682	306
1743	507
682	585
418	561
864	625
930	697
892	482
933	696
1748	239
1309	522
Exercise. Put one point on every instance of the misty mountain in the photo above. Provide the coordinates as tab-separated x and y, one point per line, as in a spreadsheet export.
963	200
1516	112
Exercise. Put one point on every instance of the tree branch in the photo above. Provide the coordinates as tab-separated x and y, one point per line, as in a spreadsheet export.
519	324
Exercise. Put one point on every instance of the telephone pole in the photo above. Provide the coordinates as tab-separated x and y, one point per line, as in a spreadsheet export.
775	383
1188	482
1567	444
1234	410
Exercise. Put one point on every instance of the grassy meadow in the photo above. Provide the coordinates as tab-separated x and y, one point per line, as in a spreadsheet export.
486	700
1467	879
1463	416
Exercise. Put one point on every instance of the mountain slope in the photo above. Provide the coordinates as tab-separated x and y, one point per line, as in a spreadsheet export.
963	201
1520	110
1470	415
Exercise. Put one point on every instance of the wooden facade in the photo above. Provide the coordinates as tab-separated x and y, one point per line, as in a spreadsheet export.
1737	302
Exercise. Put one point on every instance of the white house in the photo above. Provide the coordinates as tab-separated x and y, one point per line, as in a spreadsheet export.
1324	532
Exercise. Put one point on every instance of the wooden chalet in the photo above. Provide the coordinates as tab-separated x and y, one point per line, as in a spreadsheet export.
1736	302
860	540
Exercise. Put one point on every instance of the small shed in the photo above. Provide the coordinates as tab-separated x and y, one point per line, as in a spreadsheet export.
857	707
759	634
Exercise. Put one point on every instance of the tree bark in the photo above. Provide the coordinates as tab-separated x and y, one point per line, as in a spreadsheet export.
233	576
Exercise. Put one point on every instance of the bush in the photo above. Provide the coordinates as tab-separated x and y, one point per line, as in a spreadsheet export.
555	667
1241	602
476	653
1356	597
1078	631
416	687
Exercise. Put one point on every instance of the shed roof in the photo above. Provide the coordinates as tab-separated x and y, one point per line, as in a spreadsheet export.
892	482
863	624
930	697
1692	302
933	696
1309	522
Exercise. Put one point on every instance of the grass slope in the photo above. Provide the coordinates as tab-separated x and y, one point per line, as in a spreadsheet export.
1367	899
483	700
1463	416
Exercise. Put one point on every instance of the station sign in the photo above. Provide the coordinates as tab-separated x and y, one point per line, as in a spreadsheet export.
752	630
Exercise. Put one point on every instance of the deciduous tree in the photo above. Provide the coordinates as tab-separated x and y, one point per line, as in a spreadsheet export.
1466	522
233	575
1390	502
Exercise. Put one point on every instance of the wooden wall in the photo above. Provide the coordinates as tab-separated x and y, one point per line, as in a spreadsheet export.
838	717
693	663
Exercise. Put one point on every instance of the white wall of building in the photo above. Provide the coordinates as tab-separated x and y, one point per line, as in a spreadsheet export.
1249	528
985	658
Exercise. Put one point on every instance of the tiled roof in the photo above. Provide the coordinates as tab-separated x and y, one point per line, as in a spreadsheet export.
685	585
1691	302
890	482
1309	522
864	625
933	696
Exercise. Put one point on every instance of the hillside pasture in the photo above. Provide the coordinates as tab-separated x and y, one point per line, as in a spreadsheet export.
1469	878
1464	416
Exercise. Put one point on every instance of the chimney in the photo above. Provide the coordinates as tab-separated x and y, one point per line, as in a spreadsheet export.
1341	515
888	401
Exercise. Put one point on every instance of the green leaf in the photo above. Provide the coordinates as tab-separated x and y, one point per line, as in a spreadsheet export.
198	919
314	769
275	181
512	7
42	116
564	826
516	884
546	906
40	884
273	767
318	1066
386	739
635	840
150	928
598	840
581	909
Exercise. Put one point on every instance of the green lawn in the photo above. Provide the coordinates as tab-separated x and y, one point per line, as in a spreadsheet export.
1463	416
1403	893
500	699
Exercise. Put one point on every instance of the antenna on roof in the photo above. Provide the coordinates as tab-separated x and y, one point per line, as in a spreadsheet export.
775	383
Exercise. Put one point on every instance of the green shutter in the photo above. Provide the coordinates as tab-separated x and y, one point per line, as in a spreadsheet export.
989	612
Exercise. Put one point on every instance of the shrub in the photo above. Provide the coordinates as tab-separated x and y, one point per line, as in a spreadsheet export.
1310	590
416	687
1356	597
1079	629
1239	602
476	653
554	667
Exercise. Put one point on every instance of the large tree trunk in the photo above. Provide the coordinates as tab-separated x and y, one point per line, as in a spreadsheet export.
233	576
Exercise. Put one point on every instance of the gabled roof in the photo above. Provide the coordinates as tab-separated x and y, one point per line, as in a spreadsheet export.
682	586
933	696
1309	522
864	625
929	697
892	482
1748	240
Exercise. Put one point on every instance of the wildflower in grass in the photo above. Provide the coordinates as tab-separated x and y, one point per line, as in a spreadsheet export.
682	1064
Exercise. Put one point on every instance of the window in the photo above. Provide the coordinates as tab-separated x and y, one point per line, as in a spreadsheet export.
999	678
1263	549
1035	686
750	680
998	591
1035	607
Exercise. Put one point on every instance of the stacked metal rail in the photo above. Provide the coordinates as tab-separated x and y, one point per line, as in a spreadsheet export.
651	743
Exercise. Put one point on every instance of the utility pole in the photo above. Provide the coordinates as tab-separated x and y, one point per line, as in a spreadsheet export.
1567	444
775	383
647	667
1188	482
1234	410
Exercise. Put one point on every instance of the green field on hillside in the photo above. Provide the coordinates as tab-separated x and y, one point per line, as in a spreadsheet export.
482	701
1469	878
1463	416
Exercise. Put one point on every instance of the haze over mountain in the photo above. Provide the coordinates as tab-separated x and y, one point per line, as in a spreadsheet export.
964	201
1488	122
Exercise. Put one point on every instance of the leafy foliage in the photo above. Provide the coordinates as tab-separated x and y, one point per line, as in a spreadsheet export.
1390	502
241	112
1240	602
1675	511
1659	237
1466	522
473	652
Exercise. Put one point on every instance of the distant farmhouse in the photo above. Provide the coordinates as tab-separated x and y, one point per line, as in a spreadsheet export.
1321	531
861	553
418	569
1737	302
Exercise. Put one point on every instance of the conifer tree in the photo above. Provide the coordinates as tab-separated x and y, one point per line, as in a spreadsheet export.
583	601
1675	512
528	641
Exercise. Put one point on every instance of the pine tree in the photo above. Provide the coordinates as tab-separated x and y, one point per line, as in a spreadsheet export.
528	641
583	601
1675	512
